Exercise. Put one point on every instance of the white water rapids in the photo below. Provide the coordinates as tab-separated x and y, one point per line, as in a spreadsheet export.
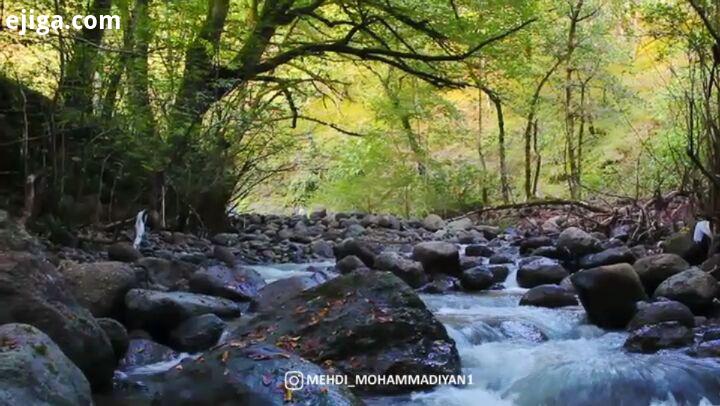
521	355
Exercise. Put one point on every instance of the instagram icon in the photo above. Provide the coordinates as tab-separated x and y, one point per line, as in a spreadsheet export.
294	380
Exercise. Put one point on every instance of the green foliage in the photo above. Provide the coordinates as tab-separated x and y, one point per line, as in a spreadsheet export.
271	109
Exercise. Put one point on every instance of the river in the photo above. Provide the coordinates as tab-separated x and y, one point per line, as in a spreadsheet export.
523	355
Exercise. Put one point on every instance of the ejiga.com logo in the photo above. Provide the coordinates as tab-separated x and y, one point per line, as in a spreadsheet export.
43	24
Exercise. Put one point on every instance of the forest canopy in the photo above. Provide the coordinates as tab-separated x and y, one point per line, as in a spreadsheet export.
198	108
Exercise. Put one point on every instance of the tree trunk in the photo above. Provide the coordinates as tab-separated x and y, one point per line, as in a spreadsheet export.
504	182
481	153
137	73
76	85
538	159
570	151
528	136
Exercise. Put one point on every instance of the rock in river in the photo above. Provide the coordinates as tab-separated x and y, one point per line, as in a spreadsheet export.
694	288
100	286
438	257
160	312
237	283
577	242
361	249
117	334
548	296
610	256
143	352
361	323
654	337
283	289
34	371
123	252
609	294
536	271
197	333
477	278
410	271
33	292
659	312
654	269
255	375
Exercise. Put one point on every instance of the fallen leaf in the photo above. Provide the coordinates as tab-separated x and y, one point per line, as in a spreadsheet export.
288	395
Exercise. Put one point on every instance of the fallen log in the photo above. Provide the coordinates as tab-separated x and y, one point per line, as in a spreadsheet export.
538	203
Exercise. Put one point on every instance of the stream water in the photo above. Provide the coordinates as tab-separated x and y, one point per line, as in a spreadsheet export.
521	355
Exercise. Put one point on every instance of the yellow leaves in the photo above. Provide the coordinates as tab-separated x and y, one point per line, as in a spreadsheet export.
224	357
288	395
6	342
288	343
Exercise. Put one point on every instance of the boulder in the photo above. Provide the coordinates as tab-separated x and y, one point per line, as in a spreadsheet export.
33	292
460	224
349	263
654	269
640	251
471	236
237	283
322	248
682	245
521	331
489	232
35	371
609	294
197	333
117	334
318	215
100	286
354	230
362	323
283	289
433	222
160	312
532	243
549	296
577	242
549	252
501	259
662	311
694	288
540	271
224	254
225	239
711	265
410	271
438	257
168	274
709	348
361	249
500	272
143	352
253	375
567	284
441	284
469	262
478	278
655	337
608	257
388	221
123	252
478	250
